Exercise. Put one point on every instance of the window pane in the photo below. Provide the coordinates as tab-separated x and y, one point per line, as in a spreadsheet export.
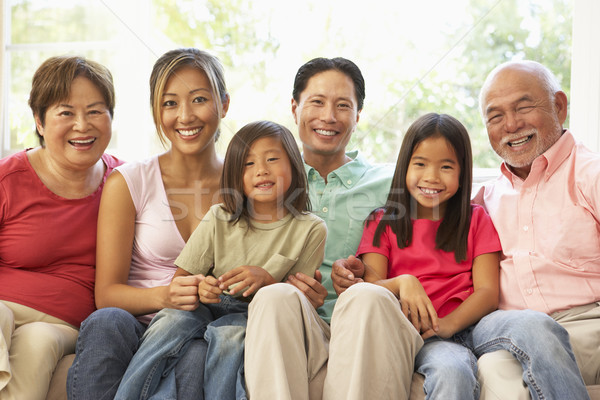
35	21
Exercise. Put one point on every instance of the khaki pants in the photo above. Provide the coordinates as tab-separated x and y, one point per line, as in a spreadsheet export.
371	351
31	345
500	374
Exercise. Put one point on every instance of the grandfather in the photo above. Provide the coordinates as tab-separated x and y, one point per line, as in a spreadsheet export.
546	208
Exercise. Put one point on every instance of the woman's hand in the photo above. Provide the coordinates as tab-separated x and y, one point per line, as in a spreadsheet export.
311	287
415	303
209	291
182	292
245	276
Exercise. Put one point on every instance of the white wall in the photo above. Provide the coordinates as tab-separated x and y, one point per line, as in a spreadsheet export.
585	73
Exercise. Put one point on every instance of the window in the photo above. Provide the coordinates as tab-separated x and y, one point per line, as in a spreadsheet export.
416	58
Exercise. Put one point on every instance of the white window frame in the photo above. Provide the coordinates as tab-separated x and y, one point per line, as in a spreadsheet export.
585	73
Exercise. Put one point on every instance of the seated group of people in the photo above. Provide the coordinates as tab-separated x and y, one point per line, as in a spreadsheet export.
276	274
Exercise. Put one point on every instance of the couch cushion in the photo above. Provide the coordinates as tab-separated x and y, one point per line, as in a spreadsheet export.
58	384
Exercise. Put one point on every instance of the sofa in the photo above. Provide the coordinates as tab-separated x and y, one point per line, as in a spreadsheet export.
58	384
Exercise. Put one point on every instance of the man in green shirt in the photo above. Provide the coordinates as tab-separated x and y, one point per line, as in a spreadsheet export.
289	323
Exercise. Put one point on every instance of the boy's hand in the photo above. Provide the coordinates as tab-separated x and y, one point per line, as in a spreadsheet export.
245	276
209	291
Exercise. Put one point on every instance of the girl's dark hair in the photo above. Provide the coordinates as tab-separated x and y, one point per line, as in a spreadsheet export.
453	232
235	202
321	64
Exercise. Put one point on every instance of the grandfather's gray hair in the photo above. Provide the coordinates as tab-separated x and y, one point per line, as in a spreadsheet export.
546	78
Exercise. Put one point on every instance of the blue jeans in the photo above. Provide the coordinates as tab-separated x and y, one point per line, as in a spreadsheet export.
449	367
538	342
108	340
223	325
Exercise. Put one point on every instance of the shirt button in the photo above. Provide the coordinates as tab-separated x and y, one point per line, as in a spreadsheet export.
349	181
325	209
529	291
525	228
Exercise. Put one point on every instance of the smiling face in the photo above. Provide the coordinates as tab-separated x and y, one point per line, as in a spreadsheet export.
267	177
189	111
326	114
433	176
522	118
77	131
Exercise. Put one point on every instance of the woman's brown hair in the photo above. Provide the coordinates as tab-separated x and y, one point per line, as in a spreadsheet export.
167	66
52	82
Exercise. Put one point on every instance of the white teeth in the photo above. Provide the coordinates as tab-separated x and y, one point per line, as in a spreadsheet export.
519	142
325	133
430	191
87	141
192	132
265	185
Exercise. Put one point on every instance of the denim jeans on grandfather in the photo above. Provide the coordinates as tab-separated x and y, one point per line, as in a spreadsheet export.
541	346
167	339
108	340
538	342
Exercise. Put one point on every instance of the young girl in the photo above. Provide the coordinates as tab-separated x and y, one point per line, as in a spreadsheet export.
261	234
438	252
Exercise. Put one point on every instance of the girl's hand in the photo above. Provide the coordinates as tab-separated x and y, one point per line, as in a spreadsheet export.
245	276
182	292
445	330
415	303
209	291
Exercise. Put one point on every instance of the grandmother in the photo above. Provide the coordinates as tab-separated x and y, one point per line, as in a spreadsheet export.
49	199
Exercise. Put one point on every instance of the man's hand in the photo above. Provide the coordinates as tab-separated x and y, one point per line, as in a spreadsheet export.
311	287
182	292
245	276
346	272
209	291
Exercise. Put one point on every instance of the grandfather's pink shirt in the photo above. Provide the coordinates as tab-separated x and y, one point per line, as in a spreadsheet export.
549	227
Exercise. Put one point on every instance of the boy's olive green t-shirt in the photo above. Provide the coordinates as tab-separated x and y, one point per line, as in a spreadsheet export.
292	244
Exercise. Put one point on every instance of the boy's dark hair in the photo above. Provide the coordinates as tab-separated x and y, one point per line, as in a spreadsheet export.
232	180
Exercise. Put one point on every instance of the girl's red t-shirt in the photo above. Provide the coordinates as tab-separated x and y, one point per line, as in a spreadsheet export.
446	282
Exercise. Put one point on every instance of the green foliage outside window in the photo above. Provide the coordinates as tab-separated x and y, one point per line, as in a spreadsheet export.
404	78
